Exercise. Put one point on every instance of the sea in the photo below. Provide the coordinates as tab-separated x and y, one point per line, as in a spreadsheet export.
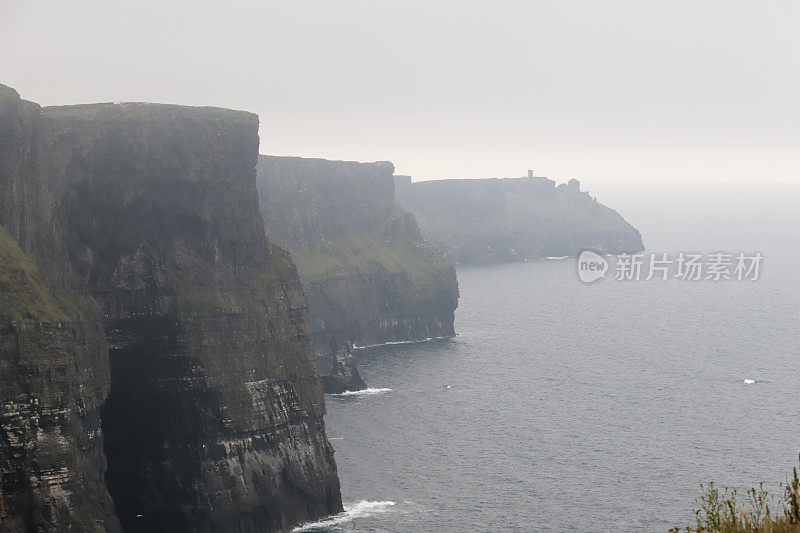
570	406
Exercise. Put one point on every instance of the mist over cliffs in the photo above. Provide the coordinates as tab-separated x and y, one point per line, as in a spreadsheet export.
165	291
476	221
369	275
156	366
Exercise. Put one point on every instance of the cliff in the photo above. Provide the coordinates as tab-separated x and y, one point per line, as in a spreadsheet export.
513	219
54	372
139	223
344	375
369	276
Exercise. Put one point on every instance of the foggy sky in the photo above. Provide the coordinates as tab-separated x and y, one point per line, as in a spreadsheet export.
606	91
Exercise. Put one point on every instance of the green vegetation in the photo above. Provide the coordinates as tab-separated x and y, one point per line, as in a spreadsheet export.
279	266
149	111
23	296
722	511
365	252
200	290
198	302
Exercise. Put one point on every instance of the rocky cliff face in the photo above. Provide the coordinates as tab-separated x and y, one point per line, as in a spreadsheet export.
54	372
144	217
344	375
53	379
369	276
513	219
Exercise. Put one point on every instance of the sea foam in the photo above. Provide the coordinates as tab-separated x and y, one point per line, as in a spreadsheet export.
351	512
393	343
365	392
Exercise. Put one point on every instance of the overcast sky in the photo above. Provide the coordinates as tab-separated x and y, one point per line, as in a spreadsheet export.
607	91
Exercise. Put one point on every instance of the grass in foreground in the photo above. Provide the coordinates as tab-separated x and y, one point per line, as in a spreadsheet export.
760	511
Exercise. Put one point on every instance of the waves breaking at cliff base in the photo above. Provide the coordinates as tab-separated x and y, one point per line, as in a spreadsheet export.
364	392
359	509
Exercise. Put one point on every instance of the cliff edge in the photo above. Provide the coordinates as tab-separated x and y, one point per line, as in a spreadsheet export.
185	359
476	221
369	275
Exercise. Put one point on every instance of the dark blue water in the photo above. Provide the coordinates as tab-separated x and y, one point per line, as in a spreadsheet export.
586	407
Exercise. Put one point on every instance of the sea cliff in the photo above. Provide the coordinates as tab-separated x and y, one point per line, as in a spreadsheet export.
148	325
476	221
369	275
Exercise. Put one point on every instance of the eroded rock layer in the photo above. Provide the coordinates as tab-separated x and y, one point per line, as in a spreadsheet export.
369	276
344	376
149	214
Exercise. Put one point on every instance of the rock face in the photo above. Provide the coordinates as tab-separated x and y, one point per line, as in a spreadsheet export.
53	379
369	276
344	375
139	224
54	371
477	221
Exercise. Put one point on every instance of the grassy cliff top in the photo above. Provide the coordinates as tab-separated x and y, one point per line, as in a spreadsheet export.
319	161
364	252
23	296
144	110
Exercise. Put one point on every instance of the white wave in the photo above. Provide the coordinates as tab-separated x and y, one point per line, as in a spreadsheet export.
749	381
351	512
392	343
557	258
365	392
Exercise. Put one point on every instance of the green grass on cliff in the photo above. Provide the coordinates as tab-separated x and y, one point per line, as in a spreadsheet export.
198	302
199	291
279	267
365	252
23	296
757	511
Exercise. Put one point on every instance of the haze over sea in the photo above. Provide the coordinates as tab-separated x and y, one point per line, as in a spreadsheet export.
587	407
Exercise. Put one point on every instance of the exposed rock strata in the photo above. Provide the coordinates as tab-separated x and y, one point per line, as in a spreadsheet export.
344	375
142	220
513	219
54	372
369	276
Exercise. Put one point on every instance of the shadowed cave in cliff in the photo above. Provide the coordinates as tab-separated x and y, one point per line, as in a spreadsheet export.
144	422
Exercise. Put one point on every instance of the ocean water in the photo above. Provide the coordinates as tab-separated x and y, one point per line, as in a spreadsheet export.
562	406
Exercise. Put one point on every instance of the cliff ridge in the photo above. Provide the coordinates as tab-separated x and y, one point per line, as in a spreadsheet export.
369	275
186	364
475	221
